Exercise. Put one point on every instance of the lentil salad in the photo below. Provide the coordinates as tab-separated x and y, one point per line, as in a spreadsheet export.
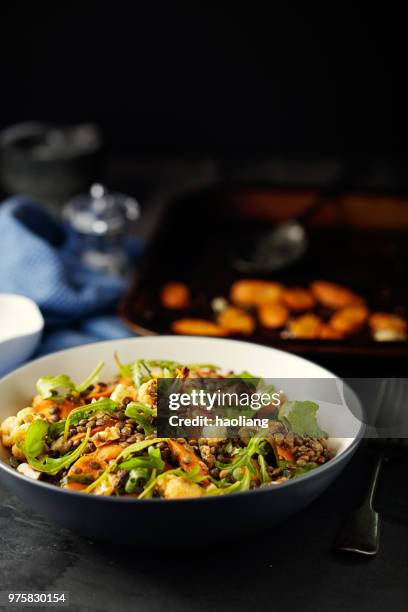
100	438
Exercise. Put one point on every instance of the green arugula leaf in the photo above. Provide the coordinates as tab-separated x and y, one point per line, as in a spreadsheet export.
47	384
34	442
202	366
244	374
127	452
141	372
141	413
298	470
263	471
152	461
125	369
243	484
135	476
56	429
90	379
164	364
104	404
300	417
194	475
34	446
135	408
244	456
143	422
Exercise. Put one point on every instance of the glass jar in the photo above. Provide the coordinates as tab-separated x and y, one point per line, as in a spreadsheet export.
100	224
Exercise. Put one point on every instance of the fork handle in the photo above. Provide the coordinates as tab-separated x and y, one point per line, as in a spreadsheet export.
360	534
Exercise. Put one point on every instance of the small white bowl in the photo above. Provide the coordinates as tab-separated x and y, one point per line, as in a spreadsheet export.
21	326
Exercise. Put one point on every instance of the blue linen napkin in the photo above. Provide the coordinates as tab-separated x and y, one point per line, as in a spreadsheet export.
76	302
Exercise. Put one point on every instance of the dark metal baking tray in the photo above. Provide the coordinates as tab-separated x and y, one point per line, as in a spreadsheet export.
359	240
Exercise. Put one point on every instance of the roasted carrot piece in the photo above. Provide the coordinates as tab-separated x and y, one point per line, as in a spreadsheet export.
181	453
99	392
108	452
87	467
334	296
175	295
92	465
255	476
78	436
76	486
298	299
253	291
306	326
236	321
273	316
350	319
285	453
388	321
198	327
47	408
328	333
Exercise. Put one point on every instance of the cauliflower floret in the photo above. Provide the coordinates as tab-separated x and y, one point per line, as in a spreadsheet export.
18	434
7	428
18	437
107	435
17	452
174	487
121	391
147	393
28	471
26	415
106	486
13	429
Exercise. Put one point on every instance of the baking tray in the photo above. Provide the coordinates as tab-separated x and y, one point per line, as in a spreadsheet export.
359	240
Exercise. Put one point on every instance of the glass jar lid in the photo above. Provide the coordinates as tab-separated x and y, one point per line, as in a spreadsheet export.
100	212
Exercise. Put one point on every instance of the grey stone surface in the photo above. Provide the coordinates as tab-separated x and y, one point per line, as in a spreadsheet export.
291	567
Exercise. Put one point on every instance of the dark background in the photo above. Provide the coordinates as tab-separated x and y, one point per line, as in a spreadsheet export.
217	77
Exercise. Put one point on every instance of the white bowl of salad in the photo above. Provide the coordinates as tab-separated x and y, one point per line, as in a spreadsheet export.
80	441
